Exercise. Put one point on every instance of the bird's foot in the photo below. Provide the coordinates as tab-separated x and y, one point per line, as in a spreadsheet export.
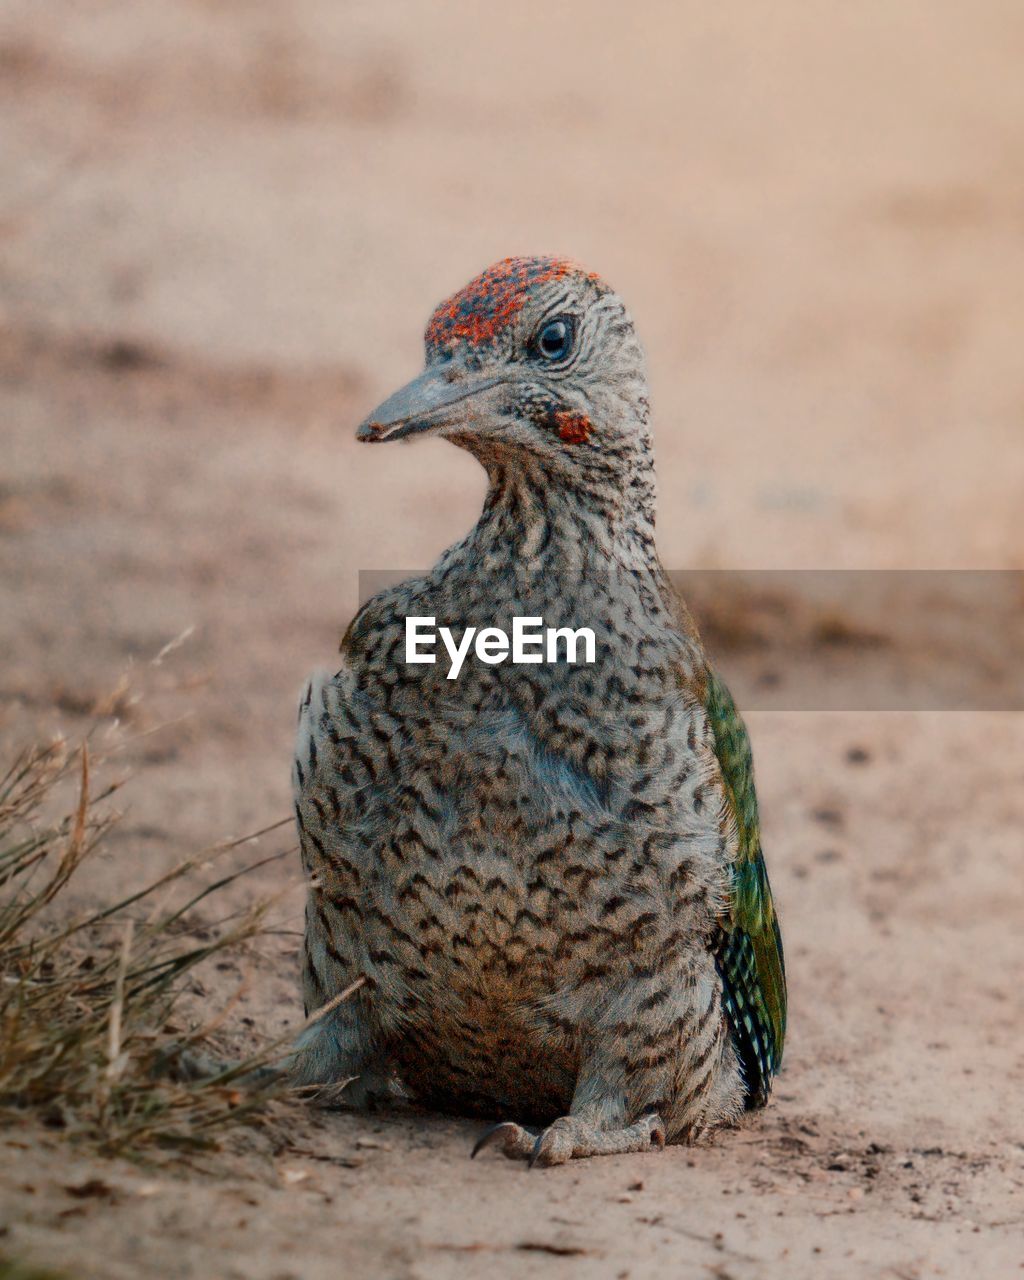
571	1138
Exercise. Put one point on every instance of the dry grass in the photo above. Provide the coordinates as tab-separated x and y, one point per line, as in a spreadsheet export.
87	1040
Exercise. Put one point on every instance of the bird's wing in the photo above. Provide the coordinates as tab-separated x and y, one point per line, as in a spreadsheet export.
748	944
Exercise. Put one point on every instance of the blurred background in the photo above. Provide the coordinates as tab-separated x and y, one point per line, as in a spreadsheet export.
815	212
223	227
226	222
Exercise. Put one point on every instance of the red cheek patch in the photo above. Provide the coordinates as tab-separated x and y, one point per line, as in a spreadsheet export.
573	428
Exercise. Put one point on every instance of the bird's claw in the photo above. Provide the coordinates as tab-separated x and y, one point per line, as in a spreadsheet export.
515	1141
553	1146
657	1127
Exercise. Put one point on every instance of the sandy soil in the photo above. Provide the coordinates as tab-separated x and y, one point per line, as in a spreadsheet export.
223	228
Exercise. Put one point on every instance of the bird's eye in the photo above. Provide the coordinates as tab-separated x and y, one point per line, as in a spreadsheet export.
554	342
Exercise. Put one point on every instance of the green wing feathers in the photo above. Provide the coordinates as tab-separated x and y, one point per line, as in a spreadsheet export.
748	944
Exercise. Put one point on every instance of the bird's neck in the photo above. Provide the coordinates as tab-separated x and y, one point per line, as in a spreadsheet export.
538	517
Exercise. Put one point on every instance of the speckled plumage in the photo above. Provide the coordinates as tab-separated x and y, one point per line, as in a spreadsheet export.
549	876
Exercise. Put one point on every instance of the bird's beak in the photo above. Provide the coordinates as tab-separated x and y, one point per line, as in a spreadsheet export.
443	395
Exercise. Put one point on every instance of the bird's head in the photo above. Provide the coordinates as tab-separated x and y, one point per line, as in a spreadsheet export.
535	360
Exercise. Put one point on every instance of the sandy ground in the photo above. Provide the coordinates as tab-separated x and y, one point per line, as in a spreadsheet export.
223	228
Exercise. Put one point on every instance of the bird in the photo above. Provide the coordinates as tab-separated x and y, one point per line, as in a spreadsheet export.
540	887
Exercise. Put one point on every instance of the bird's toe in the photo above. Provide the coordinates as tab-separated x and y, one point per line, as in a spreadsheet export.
514	1141
556	1145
